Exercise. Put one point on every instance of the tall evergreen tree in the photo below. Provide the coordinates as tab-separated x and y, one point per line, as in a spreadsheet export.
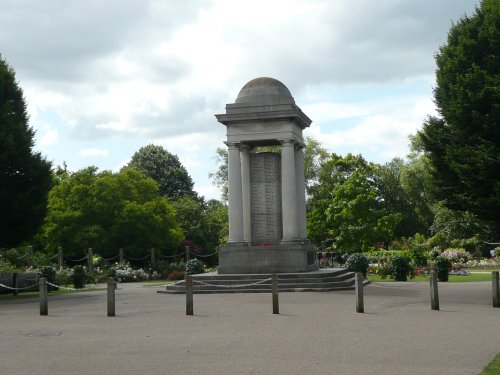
25	176
166	169
463	144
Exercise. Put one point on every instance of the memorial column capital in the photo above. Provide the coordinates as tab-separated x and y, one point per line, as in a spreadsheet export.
233	145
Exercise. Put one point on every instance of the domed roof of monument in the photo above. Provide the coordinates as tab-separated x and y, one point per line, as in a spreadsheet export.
265	91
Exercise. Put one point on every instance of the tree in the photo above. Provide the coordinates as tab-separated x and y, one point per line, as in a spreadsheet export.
204	224
356	218
109	211
333	172
220	176
401	191
166	169
25	176
463	144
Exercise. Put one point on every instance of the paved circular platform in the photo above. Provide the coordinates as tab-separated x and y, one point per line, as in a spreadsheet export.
316	333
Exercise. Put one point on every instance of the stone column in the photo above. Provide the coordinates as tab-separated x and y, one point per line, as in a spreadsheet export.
301	192
245	189
235	193
289	191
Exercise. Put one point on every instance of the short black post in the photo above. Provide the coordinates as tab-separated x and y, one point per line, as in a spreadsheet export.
14	284
90	260
153	258
111	296
360	306
189	294
42	287
275	291
434	290
496	288
30	256
60	257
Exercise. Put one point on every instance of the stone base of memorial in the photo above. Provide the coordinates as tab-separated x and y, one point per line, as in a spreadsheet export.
287	257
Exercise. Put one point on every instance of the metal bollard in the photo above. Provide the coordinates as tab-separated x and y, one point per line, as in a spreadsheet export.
360	306
189	294
496	288
42	287
111	296
275	290
434	290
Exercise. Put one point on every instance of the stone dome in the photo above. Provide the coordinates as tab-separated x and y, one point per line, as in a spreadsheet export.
265	91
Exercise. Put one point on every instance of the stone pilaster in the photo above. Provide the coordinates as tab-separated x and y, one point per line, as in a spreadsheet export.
235	200
301	192
245	188
289	191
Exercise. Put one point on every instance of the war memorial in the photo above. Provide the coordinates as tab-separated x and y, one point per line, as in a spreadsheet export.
267	210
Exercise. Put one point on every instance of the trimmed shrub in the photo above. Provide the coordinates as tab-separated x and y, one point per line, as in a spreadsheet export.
79	277
357	263
400	268
49	273
442	267
194	266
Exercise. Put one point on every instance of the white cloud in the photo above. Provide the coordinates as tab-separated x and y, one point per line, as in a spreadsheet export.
94	152
159	71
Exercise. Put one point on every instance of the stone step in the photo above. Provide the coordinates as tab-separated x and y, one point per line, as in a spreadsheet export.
317	281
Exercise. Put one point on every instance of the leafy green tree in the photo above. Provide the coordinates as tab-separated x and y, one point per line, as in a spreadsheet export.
109	211
401	195
220	176
166	169
463	144
356	218
204	224
333	172
314	157
25	176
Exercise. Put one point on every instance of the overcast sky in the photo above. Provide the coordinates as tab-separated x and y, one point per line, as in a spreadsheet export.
104	78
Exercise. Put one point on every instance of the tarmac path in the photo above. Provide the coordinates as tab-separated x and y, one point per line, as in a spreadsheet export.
316	333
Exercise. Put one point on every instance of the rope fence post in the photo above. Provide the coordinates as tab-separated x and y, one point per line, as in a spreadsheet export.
111	296
189	294
153	258
120	252
275	291
43	296
30	256
60	257
188	255
14	284
360	305
495	288
434	290
90	260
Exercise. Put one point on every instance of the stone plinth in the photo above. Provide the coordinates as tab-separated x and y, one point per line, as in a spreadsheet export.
293	257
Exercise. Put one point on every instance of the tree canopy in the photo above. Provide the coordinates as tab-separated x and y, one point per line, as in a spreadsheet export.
107	211
25	176
166	169
463	143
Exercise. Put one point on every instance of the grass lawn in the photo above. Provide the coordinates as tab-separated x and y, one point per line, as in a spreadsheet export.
474	276
493	368
156	283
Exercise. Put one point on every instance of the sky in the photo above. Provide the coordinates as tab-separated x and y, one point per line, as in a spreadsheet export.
104	78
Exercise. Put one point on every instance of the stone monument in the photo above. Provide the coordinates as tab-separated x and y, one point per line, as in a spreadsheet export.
267	209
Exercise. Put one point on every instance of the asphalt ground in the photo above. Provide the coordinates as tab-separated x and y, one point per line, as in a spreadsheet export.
315	333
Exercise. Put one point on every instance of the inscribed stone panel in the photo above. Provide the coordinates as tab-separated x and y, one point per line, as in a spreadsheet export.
265	198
